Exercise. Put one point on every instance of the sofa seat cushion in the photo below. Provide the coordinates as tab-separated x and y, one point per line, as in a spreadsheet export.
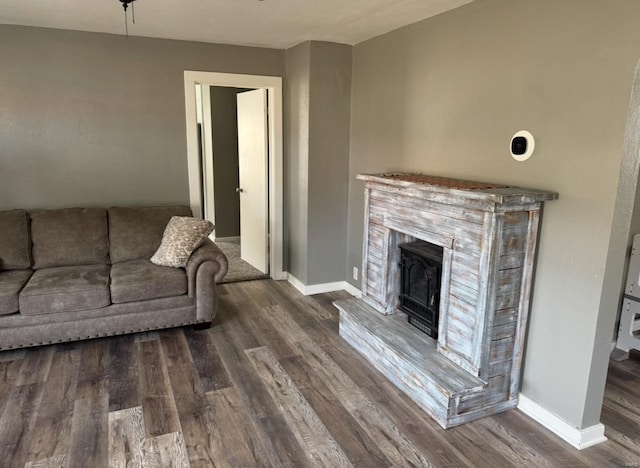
69	237
15	242
141	280
64	289
11	283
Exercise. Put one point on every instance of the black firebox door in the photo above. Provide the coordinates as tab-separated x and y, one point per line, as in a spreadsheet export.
420	276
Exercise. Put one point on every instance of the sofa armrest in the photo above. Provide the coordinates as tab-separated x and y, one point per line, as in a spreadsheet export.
208	251
206	266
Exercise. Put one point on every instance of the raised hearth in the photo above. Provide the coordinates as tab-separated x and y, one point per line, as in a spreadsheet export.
488	235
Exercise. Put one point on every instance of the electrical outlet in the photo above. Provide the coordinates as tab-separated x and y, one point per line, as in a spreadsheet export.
355	273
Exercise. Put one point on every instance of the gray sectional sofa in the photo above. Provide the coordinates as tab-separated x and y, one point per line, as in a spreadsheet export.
78	273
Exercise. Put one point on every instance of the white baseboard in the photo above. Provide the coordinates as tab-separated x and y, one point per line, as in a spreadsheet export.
355	292
579	438
308	290
235	239
296	283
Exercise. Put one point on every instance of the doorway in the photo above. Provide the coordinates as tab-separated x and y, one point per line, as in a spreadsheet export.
201	180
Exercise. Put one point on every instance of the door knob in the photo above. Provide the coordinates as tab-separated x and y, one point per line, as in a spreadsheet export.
239	190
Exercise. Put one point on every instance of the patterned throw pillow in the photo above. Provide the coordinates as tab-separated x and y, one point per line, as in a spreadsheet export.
182	236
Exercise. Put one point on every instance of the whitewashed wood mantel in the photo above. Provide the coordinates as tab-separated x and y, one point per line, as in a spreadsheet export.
488	233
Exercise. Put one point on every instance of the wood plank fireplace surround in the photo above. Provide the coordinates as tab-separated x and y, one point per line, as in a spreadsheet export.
488	234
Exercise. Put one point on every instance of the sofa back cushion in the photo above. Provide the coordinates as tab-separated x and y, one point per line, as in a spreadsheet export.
136	233
70	236
15	241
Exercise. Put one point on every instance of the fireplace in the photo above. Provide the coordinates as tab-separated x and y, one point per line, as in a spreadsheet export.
475	280
420	275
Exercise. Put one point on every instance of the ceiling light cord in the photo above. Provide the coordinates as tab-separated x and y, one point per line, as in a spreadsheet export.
126	25
125	5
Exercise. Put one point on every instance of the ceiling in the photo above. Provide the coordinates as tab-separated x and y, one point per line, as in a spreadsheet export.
265	23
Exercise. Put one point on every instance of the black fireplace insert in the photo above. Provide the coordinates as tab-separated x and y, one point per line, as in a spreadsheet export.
420	276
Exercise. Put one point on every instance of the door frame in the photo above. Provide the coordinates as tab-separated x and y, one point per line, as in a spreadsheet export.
206	140
273	85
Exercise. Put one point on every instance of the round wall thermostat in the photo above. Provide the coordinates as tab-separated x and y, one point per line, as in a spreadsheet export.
522	145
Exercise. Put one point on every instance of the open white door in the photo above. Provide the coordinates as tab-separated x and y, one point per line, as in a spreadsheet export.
253	157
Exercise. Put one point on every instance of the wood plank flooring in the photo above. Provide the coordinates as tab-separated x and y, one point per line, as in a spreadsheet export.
270	384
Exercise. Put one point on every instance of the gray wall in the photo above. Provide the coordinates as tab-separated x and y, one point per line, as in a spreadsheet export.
98	119
635	220
317	139
445	95
296	135
224	117
330	114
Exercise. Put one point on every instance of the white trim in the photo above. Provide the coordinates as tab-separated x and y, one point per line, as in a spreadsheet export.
355	292
579	438
273	85
209	208
322	288
235	239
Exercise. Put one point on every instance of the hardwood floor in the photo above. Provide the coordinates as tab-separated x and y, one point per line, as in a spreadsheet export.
270	384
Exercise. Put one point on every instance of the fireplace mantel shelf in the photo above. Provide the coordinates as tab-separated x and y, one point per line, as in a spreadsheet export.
488	235
432	186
